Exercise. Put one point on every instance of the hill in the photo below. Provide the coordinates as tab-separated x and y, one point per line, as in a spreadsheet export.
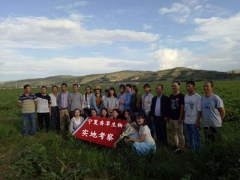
180	73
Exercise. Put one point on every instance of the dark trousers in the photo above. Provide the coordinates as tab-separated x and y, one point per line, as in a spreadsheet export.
55	118
41	117
87	113
212	134
161	129
150	125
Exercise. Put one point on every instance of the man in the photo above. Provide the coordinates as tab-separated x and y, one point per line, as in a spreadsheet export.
213	113
192	115
176	116
160	113
62	101
146	106
128	97
28	101
75	100
54	109
121	99
43	108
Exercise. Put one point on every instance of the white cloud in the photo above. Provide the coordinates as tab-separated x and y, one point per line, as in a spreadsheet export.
216	28
72	5
42	32
14	63
170	58
178	11
147	26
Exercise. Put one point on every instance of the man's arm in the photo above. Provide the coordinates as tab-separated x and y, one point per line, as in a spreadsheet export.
222	112
20	104
199	115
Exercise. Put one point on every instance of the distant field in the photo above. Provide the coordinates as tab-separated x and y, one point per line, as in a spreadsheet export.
50	156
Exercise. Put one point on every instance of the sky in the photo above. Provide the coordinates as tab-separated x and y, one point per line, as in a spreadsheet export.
43	38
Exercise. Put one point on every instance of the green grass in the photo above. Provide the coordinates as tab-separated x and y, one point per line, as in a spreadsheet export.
50	156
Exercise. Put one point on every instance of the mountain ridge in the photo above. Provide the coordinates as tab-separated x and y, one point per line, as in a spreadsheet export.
179	73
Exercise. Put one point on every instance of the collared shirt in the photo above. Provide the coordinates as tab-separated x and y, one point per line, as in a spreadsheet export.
53	99
158	106
122	97
64	99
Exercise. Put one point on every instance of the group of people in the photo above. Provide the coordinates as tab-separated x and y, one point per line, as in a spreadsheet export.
146	115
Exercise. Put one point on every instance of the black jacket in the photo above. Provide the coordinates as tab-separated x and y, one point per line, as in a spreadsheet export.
165	106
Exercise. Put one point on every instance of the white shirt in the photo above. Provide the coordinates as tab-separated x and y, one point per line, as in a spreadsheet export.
53	99
86	102
148	138
191	107
158	106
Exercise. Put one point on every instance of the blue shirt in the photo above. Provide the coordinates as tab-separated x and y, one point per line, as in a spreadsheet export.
158	106
128	101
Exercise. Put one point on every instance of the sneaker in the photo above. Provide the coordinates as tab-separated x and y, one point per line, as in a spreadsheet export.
176	148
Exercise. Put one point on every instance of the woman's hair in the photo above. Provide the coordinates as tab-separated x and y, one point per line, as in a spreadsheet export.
114	94
77	110
89	88
106	111
135	88
116	110
142	116
94	110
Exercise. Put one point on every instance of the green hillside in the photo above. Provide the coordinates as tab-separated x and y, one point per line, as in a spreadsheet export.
180	73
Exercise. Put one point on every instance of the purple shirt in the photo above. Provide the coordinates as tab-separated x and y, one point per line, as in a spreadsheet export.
122	97
64	100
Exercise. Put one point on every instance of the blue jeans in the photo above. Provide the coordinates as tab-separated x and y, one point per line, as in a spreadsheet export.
26	118
193	136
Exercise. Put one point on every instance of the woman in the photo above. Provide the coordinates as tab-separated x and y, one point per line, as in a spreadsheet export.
111	102
131	128
104	113
145	144
97	99
75	121
136	101
94	113
115	114
86	105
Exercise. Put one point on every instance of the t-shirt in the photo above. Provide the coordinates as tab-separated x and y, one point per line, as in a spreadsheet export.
28	105
148	138
75	101
175	105
191	107
42	103
53	99
210	113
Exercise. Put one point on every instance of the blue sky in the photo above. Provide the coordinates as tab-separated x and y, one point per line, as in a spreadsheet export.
77	37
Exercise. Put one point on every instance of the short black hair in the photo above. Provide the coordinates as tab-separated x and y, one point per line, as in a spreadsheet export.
77	110
75	85
122	86
44	87
178	82
54	86
211	82
160	85
128	85
191	82
25	86
146	86
64	84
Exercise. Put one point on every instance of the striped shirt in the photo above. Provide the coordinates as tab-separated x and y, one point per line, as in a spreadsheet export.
28	105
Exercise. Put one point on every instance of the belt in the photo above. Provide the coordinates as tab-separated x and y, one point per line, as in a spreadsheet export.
63	108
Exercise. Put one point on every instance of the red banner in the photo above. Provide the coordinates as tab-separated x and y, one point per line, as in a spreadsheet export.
100	130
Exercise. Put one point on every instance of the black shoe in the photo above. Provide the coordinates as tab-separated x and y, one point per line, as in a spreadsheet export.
176	148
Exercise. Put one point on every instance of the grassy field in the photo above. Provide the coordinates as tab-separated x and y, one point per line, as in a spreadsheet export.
50	156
